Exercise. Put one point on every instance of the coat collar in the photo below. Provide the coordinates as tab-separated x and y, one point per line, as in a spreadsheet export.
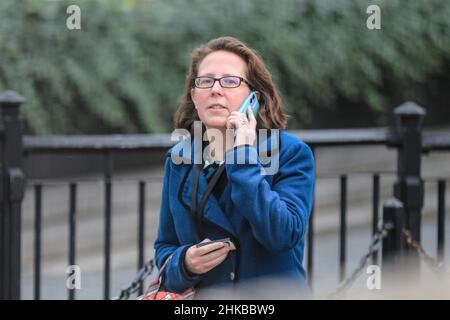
212	212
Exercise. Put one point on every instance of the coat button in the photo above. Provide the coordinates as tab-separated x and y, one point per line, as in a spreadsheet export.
232	275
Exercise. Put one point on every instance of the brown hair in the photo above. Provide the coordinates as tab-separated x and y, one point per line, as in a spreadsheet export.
270	114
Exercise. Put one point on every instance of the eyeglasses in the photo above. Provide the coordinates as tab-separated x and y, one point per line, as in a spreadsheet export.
225	82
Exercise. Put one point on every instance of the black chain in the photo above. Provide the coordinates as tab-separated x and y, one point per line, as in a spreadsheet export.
136	284
432	263
374	246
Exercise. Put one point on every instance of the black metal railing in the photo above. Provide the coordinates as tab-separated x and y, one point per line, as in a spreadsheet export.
39	191
11	194
441	219
407	137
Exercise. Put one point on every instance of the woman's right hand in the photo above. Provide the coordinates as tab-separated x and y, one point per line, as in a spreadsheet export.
201	260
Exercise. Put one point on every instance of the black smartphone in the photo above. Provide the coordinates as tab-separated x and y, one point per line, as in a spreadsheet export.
226	240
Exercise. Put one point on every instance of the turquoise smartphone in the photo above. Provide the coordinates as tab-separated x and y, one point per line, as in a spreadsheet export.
252	101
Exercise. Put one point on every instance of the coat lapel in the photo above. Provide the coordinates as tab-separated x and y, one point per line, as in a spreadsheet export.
212	212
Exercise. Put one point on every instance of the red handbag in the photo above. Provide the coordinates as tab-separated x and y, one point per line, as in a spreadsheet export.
154	291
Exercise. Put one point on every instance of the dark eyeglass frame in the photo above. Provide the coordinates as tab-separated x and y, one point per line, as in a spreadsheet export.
220	82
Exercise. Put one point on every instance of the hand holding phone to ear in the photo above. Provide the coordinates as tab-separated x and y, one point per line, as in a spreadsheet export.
243	121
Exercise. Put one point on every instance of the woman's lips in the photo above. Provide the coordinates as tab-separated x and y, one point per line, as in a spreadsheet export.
217	107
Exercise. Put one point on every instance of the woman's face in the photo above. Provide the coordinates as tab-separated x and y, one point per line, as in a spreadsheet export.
215	104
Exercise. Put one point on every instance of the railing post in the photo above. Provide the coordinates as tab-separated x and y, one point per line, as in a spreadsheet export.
11	194
409	185
393	255
393	220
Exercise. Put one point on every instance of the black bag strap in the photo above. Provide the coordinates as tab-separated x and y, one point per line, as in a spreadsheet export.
196	173
197	212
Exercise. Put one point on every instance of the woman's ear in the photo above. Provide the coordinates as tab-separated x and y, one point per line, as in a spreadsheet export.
258	95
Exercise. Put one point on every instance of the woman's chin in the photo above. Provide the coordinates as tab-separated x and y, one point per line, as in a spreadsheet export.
217	124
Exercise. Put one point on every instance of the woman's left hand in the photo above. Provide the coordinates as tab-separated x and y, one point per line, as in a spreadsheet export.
245	130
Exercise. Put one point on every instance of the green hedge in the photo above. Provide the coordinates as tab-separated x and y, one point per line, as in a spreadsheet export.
124	70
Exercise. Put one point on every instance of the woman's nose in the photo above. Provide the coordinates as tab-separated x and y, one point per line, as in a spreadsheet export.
216	88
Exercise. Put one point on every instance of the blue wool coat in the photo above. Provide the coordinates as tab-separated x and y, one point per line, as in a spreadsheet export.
264	209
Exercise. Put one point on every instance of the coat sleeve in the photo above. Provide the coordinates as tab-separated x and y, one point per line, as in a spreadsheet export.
278	214
175	276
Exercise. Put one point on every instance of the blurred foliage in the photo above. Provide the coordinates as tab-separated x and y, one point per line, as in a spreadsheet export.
124	70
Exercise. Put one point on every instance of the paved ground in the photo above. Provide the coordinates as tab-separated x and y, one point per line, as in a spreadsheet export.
330	163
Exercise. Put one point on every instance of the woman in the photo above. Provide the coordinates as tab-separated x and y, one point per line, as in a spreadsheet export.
264	214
